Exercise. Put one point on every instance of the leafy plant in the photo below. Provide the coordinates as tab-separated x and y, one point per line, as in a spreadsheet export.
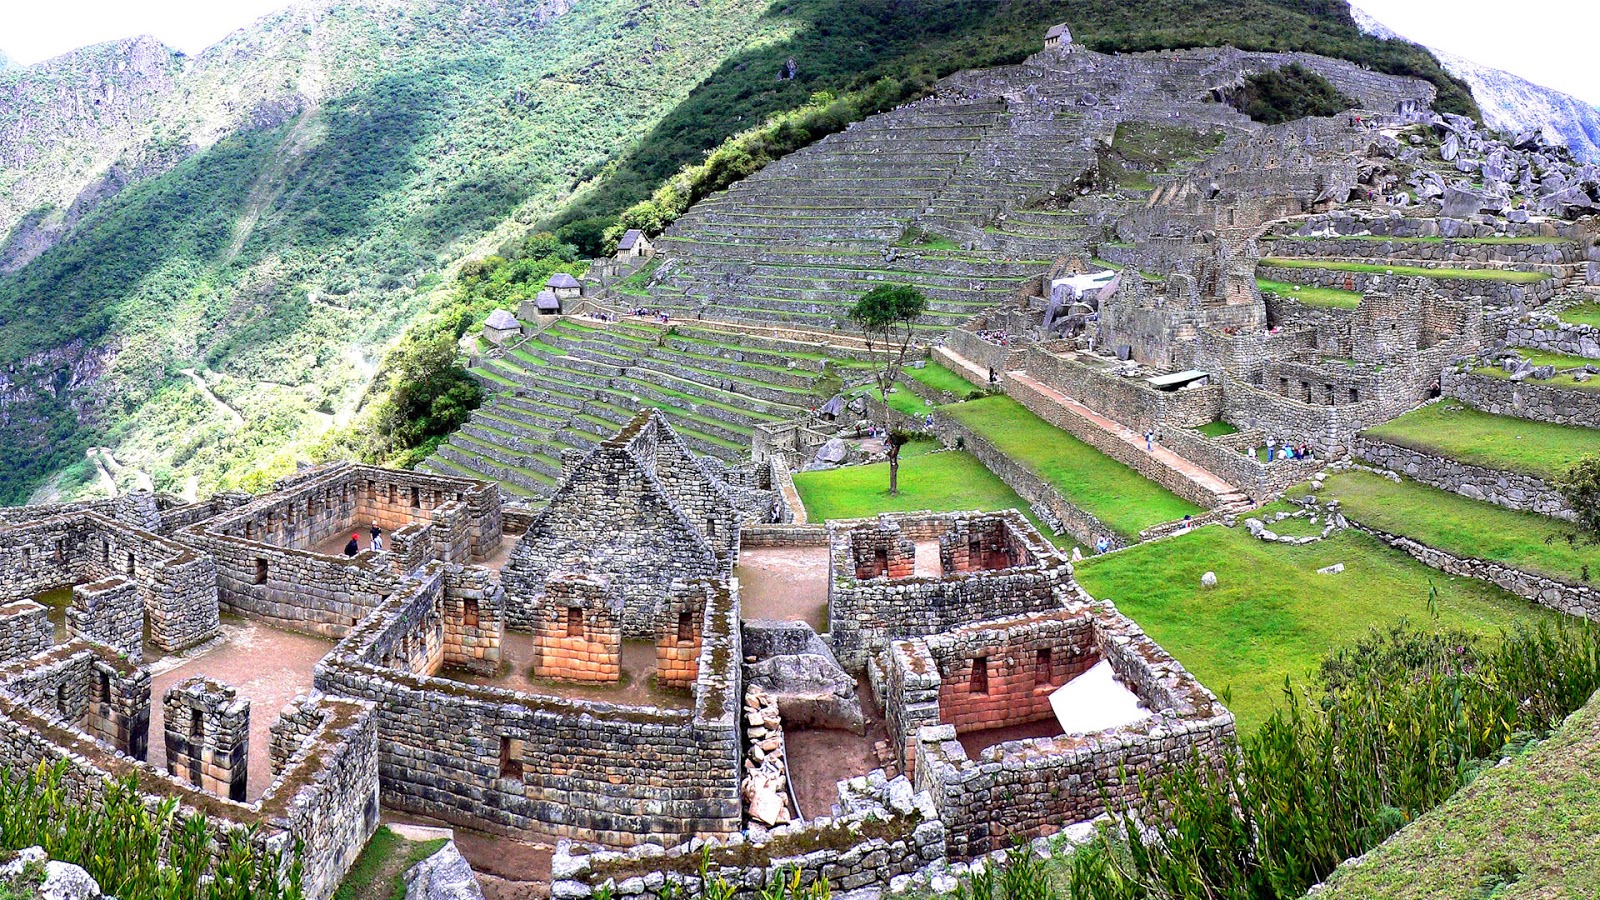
1292	92
887	316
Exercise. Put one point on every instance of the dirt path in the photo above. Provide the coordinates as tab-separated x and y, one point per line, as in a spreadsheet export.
213	399
108	482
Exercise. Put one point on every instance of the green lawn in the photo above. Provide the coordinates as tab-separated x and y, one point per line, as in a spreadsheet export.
1523	829
1310	296
1464	527
940	378
1454	430
1582	314
1406	271
1271	615
1217	429
947	481
1124	500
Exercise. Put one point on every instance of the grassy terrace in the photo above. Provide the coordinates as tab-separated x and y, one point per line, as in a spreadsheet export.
946	481
1124	500
1582	314
1558	360
1522	829
1456	431
1463	527
1217	429
940	378
1507	275
1311	296
1271	615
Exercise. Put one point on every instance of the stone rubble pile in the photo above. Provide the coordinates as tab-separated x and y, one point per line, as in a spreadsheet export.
766	781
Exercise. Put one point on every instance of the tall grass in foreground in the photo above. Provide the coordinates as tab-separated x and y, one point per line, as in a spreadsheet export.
1403	719
136	850
1391	727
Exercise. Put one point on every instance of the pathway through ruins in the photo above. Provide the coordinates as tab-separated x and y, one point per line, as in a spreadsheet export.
784	583
268	665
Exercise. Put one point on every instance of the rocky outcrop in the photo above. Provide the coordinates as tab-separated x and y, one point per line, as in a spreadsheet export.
443	876
30	873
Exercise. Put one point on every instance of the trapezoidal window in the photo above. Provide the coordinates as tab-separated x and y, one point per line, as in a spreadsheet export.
63	703
1041	668
980	676
261	571
685	627
197	725
416	497
469	612
510	760
105	687
574	621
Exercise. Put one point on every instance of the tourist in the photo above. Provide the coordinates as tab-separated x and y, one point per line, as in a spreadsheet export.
1149	441
377	538
928	422
994	377
1101	545
354	547
1271	442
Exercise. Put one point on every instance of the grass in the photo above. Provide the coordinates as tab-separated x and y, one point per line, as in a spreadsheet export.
1124	500
1217	429
944	482
634	285
1310	296
1271	615
1465	434
1582	314
1506	275
1463	527
940	378
379	872
1524	829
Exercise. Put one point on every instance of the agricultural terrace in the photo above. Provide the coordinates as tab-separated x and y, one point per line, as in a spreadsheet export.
1506	275
1559	360
1311	296
1271	615
939	480
1124	500
1463	527
1466	434
1524	828
1581	314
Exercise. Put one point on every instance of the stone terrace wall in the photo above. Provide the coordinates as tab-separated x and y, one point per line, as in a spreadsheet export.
886	832
867	614
1329	430
325	800
1524	399
1033	787
1555	336
512	762
754	536
25	629
1129	401
1572	599
1244	471
1494	293
1513	490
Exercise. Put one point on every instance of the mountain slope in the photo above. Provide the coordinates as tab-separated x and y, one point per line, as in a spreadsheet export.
1511	103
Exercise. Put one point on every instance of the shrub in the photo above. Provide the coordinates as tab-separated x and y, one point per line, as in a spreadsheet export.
1292	92
136	850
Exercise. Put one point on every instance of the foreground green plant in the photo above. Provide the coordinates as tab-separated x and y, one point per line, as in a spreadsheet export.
136	850
1404	719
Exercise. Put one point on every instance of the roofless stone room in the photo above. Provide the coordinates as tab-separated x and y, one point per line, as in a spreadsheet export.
610	450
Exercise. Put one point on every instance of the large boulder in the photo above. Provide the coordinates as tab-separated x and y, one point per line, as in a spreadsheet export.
811	689
1459	203
62	881
833	453
443	876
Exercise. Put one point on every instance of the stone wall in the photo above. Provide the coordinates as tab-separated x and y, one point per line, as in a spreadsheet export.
1024	789
1524	399
109	611
1129	401
882	834
324	801
207	733
513	762
1547	333
1493	293
756	536
25	629
176	586
1513	490
1572	599
866	614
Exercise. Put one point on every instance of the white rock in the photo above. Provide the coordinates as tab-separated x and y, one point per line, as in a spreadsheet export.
1208	580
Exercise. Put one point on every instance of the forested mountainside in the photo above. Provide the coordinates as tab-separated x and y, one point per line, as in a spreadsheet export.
203	259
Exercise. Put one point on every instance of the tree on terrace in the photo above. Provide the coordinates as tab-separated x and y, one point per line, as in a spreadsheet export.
1580	487
887	316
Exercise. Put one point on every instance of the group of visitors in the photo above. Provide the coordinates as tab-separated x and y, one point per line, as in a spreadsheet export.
354	547
993	336
602	316
1283	451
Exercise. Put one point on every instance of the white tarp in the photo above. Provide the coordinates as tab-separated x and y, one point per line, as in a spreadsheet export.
1095	701
1073	287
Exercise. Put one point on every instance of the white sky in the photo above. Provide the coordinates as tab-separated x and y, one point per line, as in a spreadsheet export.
1550	42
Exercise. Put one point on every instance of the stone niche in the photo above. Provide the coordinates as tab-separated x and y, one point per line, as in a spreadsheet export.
577	634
